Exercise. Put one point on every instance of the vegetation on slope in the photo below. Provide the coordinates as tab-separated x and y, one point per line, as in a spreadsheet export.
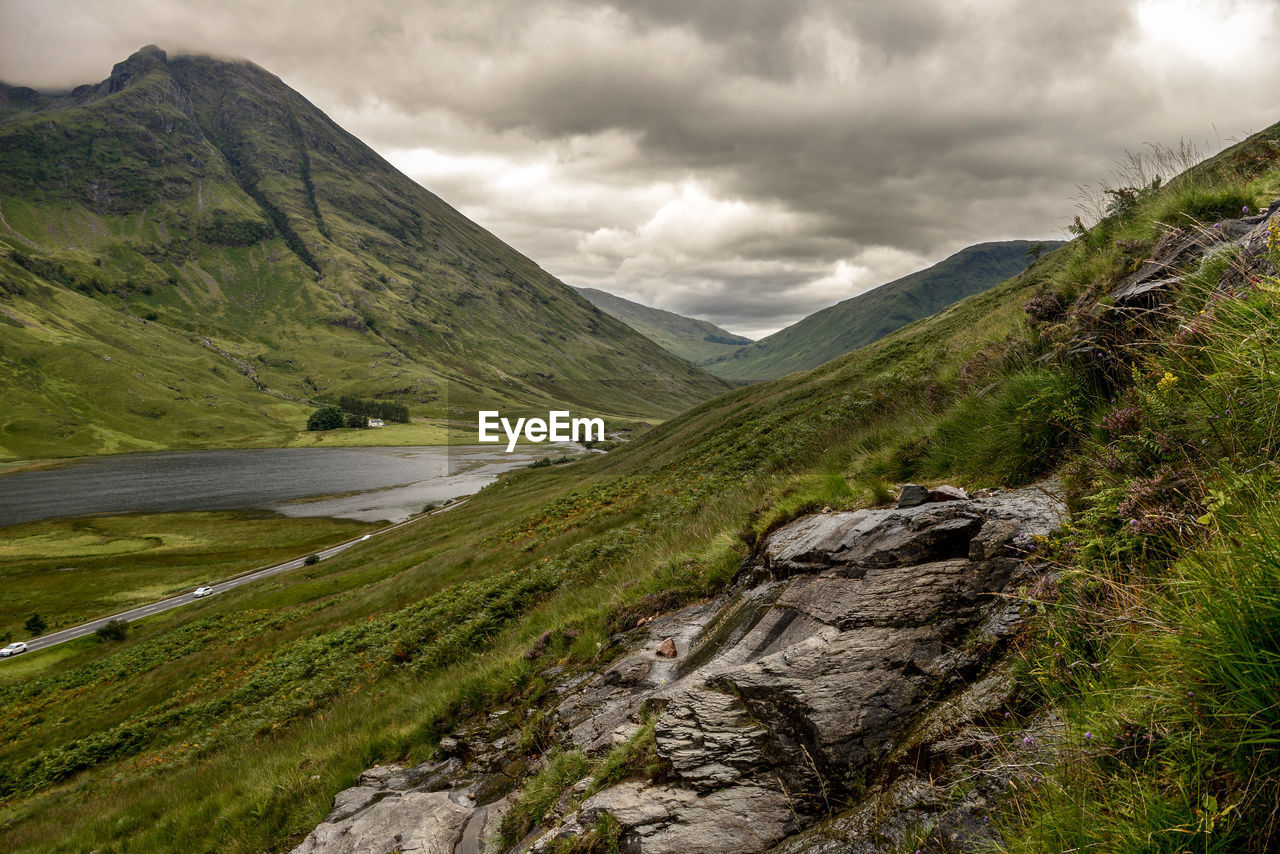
190	253
229	726
691	339
71	571
857	321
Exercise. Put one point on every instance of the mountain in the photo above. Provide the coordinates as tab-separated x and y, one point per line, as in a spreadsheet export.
500	665
191	253
856	322
689	338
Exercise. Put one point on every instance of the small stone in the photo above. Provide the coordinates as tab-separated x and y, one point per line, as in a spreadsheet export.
667	648
912	495
948	493
450	746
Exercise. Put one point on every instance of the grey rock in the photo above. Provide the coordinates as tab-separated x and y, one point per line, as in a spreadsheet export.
709	739
845	655
886	820
671	820
628	672
843	695
992	538
948	493
598	707
864	538
419	822
912	495
894	596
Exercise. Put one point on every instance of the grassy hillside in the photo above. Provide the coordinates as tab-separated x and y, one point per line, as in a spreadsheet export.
691	339
856	322
229	726
191	254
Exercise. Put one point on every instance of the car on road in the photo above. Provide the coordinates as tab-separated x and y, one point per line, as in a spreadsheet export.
201	592
13	649
365	537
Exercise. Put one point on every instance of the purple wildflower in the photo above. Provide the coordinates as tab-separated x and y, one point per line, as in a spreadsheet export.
1088	736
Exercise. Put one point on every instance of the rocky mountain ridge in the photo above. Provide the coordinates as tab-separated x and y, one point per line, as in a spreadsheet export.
831	700
189	216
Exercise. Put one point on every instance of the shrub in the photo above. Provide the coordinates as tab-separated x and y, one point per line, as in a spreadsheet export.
326	418
312	560
114	630
35	624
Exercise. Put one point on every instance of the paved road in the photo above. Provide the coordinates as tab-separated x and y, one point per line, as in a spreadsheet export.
178	601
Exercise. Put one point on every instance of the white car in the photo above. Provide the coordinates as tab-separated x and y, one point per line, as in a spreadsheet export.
13	649
365	537
201	592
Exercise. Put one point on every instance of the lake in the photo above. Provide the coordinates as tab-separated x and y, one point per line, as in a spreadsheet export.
370	484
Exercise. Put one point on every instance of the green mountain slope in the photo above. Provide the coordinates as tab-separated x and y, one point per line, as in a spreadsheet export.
858	321
191	253
689	338
1145	681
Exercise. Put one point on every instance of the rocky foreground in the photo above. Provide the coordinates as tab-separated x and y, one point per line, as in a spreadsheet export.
849	693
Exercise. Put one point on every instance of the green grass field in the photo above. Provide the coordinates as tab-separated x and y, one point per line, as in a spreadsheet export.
73	570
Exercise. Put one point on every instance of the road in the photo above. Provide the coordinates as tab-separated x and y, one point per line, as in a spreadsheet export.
64	635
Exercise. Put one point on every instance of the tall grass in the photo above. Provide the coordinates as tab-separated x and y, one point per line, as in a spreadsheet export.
1165	645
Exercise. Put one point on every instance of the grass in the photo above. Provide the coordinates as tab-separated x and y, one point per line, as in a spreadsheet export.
230	726
417	432
1162	649
74	570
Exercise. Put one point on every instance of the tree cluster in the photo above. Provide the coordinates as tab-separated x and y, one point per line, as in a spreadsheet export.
384	409
355	412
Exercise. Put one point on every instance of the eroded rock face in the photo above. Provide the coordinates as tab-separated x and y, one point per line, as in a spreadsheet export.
419	822
802	684
857	640
674	820
1180	248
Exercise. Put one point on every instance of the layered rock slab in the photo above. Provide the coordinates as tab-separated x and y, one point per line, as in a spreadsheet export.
852	640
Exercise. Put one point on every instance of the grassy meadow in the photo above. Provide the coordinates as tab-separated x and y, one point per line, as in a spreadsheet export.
74	570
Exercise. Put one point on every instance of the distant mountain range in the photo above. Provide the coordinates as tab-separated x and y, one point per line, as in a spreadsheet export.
689	338
193	254
858	321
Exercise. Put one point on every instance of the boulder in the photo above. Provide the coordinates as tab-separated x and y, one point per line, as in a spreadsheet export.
912	495
422	822
874	538
948	493
672	820
667	649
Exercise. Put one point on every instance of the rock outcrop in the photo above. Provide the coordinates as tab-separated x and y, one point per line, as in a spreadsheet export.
813	704
1181	248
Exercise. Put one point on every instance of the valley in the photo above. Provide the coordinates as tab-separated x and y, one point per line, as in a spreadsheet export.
992	566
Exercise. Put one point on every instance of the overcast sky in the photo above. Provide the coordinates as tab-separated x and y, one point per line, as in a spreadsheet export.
743	161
